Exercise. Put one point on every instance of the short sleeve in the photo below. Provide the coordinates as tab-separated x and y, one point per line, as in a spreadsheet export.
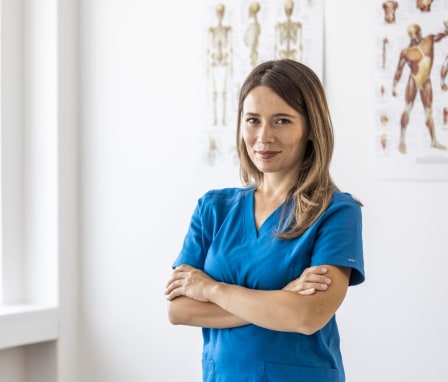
339	238
195	243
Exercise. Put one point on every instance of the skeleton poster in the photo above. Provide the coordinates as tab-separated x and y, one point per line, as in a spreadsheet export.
239	35
410	128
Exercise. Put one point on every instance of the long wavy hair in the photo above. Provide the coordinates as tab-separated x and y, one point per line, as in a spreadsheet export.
301	88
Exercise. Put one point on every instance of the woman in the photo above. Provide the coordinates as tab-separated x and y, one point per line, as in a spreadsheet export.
264	268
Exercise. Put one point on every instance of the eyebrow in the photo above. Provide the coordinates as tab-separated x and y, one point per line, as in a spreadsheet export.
276	115
284	115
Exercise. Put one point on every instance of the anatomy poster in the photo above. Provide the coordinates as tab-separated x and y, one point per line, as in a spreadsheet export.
239	35
410	135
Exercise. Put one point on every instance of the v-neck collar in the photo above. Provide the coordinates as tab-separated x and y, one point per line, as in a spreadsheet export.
270	224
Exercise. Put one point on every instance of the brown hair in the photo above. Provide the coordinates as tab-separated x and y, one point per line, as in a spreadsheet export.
300	87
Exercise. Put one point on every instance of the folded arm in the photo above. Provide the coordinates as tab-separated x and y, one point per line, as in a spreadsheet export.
197	300
187	311
284	310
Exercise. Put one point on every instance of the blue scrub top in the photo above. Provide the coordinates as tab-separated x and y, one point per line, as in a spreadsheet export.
223	241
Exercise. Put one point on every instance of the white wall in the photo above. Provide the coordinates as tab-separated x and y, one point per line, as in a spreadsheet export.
141	113
140	110
39	85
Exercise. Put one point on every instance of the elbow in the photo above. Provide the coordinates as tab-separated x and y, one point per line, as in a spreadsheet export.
311	325
173	314
307	329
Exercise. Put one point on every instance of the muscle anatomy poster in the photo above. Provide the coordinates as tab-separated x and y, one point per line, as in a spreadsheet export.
410	129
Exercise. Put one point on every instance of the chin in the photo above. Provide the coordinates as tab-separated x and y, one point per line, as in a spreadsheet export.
267	169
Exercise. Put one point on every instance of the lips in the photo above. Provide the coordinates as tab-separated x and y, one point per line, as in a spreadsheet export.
267	154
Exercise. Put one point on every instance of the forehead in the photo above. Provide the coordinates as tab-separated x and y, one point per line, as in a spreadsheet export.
263	98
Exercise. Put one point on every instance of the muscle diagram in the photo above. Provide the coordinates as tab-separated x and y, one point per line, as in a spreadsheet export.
419	58
389	8
424	5
384	56
443	73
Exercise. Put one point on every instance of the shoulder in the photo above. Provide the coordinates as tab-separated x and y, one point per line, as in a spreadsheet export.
344	198
344	201
224	196
216	205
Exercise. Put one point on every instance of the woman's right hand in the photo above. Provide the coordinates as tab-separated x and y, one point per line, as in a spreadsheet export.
311	280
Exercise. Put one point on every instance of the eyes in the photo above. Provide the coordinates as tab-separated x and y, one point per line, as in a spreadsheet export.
278	121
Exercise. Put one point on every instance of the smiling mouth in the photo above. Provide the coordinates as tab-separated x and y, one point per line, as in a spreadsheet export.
267	154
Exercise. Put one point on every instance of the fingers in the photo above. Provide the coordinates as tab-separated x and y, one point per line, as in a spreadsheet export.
178	273
317	270
317	279
175	285
173	288
306	288
312	279
307	292
315	275
188	281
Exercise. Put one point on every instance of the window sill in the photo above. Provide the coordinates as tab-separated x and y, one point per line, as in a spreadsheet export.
27	324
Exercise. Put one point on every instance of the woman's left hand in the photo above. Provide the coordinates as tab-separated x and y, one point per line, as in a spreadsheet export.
190	282
312	279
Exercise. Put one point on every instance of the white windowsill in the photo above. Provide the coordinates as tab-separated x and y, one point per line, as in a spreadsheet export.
27	324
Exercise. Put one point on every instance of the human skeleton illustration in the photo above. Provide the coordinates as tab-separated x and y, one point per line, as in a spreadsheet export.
253	32
288	36
219	63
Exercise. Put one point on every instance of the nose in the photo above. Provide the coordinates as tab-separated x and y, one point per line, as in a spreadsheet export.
266	133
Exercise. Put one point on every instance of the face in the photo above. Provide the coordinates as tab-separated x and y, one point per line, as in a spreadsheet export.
275	134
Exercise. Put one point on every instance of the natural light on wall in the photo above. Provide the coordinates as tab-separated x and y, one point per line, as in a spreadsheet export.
1	165
28	202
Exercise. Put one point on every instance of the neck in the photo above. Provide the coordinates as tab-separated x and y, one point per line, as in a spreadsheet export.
274	189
